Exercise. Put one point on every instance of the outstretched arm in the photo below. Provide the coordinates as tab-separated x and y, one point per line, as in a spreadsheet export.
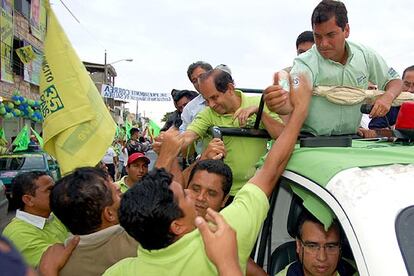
279	154
383	103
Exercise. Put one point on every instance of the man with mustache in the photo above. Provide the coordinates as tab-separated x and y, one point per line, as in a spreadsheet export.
335	61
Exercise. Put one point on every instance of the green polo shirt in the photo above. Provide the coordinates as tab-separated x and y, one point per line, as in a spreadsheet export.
32	235
242	152
363	65
122	185
186	256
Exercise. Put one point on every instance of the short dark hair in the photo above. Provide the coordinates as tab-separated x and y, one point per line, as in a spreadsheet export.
217	167
410	68
221	79
327	9
148	209
178	94
78	199
307	216
133	130
24	184
306	36
206	66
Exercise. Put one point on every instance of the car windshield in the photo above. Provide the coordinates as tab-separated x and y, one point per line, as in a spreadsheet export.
24	162
404	229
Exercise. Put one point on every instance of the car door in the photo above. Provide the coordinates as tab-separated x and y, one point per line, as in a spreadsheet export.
275	248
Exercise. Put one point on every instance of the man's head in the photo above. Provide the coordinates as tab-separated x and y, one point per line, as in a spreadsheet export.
134	132
304	42
86	201
330	29
408	79
195	70
217	88
30	192
209	183
319	251
137	166
182	97
157	211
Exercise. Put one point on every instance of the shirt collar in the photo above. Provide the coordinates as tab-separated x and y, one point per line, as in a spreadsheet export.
98	236
34	220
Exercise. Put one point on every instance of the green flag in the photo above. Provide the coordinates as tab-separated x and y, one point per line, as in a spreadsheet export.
128	127
22	140
3	135
38	137
154	129
117	132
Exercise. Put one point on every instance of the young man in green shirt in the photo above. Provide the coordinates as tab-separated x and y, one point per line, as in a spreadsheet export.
335	61
136	168
160	215
34	228
228	107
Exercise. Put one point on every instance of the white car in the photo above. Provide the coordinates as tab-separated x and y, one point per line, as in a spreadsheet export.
368	187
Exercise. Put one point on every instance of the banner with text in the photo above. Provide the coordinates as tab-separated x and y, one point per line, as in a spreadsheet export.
6	38
122	94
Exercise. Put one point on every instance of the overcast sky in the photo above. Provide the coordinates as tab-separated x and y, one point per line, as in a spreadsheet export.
254	38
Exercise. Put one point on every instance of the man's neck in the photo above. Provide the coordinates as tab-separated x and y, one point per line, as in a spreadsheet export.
35	212
235	103
129	182
344	57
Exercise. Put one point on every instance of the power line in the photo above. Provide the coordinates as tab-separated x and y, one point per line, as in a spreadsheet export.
86	29
66	7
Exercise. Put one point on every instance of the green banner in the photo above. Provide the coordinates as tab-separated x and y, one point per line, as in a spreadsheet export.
6	37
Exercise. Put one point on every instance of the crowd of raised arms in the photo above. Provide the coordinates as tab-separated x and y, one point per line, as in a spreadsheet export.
200	209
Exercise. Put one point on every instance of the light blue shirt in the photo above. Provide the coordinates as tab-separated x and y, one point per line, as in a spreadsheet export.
191	110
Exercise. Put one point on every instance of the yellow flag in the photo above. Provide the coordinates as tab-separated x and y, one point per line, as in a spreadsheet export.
26	53
77	127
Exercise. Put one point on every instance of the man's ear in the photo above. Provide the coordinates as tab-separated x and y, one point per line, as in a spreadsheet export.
230	87
223	203
298	246
109	214
347	30
27	200
177	228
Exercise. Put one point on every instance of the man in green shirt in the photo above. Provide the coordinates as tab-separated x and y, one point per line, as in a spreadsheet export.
335	61
136	168
228	107
160	215
34	228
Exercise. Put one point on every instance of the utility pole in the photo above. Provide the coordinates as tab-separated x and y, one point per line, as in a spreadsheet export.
105	70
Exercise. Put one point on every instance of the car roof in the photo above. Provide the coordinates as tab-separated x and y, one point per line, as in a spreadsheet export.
22	154
322	163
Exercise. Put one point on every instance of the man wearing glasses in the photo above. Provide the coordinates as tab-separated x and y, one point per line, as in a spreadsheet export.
319	251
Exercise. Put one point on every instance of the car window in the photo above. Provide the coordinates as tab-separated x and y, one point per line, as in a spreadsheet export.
404	229
50	161
22	163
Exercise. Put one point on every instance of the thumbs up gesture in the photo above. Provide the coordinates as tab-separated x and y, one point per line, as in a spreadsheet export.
276	96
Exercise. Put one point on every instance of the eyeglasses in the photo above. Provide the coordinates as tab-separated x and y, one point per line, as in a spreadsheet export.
313	248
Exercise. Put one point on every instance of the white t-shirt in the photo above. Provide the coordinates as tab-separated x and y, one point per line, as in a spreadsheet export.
109	156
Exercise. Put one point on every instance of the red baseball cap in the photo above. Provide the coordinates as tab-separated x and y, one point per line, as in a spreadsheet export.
135	156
